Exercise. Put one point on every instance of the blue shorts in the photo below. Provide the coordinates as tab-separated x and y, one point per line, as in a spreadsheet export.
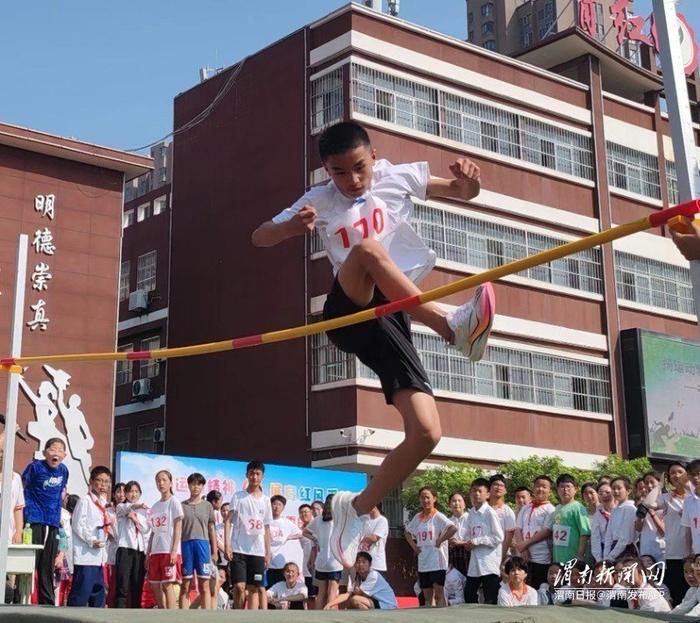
196	558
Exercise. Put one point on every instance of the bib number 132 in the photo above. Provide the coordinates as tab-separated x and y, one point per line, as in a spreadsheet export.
363	226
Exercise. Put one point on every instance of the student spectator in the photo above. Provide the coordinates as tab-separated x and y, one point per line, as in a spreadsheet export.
523	496
164	549
571	527
497	501
485	544
534	530
547	592
367	589
117	496
248	545
133	528
198	544
327	568
643	595
691	600
317	508
691	508
649	521
589	495
92	527
306	516
455	581
373	541
216	500
620	536
517	592
427	534
290	593
44	482
600	521
677	536
285	542
458	554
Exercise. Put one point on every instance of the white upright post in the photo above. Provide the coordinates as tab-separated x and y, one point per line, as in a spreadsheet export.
11	408
679	113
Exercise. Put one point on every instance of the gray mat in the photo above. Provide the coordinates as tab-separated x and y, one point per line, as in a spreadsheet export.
455	614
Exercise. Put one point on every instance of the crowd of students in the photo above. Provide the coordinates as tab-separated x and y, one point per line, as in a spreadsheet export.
625	545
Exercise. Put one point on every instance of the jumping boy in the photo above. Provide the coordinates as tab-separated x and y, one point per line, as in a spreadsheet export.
364	219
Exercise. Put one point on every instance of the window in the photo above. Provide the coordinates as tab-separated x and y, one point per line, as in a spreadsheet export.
525	21
507	373
159	204
490	45
636	171
487	9
127	219
672	180
146	272
392	508
121	439
487	28
650	282
124	280
144	438
124	368
600	21
549	10
526	39
150	367
143	212
327	99
464	120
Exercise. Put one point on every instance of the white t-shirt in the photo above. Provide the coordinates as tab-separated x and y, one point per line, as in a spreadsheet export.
376	587
599	526
17	495
219	527
307	546
677	536
281	592
383	213
691	519
283	550
251	514
461	523
454	586
531	521
378	527
321	530
162	521
507	599
506	516
426	531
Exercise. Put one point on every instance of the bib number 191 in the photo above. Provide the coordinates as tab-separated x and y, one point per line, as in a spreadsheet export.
363	226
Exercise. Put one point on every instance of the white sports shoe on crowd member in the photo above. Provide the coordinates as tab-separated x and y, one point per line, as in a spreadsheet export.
347	528
472	322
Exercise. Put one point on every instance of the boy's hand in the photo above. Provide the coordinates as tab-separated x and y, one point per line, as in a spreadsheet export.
304	220
688	244
465	170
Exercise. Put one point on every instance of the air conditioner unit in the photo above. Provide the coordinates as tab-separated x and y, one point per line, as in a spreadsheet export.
159	435
141	389
138	301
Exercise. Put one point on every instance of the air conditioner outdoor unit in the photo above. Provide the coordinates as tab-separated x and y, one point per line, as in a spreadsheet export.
159	435
138	301
141	389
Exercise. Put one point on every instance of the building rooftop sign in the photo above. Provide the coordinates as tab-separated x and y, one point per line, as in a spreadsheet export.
631	27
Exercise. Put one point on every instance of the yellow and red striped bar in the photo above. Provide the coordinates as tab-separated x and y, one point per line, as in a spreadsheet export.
688	210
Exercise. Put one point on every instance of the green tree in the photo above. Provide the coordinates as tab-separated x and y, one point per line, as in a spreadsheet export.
615	465
445	479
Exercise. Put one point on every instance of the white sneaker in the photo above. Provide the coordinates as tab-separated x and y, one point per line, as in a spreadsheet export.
472	322
347	529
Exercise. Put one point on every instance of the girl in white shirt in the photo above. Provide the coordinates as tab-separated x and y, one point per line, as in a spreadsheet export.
643	596
427	534
328	569
215	498
133	528
164	553
516	592
651	525
677	536
600	520
620	537
459	556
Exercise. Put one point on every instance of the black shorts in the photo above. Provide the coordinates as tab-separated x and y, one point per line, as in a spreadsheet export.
427	579
384	344
313	590
327	576
248	569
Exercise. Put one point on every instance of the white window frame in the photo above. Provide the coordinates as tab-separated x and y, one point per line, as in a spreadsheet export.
150	368
125	368
146	271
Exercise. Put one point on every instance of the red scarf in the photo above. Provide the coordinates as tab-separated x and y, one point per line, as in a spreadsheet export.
106	520
605	514
533	505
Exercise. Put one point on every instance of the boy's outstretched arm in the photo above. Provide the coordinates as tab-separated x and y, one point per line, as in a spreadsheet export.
269	233
465	185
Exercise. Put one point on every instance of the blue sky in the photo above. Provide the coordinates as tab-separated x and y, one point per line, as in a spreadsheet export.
107	72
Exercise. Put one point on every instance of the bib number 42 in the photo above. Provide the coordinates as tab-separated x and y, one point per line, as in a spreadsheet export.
363	226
